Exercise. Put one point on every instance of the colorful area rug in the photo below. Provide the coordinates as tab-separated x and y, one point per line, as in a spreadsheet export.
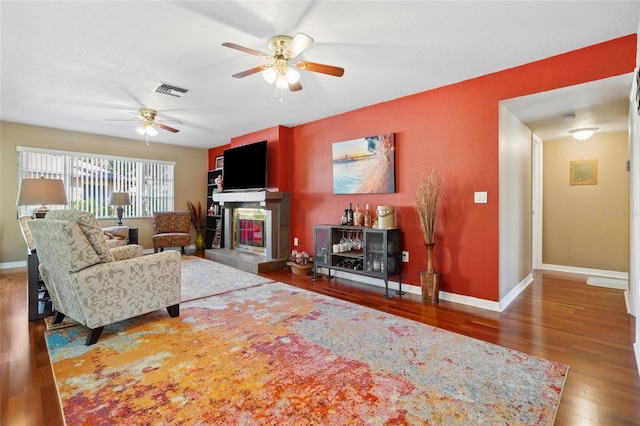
202	278
279	355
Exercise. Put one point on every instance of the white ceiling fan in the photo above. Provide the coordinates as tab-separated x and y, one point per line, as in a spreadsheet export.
149	122
277	67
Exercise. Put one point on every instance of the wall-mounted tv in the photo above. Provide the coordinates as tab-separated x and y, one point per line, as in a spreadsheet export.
245	167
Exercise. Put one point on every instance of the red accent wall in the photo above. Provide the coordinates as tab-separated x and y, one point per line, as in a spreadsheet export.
216	152
453	128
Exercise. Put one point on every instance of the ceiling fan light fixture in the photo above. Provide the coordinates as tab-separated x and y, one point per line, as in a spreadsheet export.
281	81
584	133
146	129
293	76
269	75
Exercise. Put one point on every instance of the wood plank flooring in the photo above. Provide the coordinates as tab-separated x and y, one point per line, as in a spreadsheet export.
558	317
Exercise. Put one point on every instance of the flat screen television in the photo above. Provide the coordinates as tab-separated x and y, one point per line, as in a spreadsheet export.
245	167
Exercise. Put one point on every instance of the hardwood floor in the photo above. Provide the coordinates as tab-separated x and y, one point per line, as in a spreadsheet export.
557	317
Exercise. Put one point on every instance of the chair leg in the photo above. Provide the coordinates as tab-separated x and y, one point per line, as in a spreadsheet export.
182	250
58	317
155	249
94	335
174	310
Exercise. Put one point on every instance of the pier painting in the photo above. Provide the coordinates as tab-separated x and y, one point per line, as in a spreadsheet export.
365	165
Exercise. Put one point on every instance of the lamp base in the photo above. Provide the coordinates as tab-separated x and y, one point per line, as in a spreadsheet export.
41	212
120	210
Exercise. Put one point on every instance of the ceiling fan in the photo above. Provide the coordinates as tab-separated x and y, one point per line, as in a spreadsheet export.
148	122
277	69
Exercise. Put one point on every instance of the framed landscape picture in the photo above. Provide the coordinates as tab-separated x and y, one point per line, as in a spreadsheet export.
583	172
219	162
365	165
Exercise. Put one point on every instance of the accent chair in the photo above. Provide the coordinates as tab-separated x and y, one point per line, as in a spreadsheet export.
98	286
171	229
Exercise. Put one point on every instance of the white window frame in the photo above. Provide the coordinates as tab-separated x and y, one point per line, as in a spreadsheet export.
89	182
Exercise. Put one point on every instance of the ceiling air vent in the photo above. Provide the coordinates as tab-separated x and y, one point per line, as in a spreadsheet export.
170	90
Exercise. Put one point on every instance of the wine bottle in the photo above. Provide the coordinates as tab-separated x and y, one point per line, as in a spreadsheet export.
367	217
357	216
350	215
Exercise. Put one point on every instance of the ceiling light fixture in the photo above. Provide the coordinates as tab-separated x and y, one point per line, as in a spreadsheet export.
146	129
281	74
584	133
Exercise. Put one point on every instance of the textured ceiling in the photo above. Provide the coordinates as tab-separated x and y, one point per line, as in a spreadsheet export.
71	65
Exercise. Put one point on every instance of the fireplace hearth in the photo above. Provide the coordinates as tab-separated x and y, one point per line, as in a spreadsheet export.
257	226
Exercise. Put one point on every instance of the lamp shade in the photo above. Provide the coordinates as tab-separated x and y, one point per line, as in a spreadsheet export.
41	191
119	199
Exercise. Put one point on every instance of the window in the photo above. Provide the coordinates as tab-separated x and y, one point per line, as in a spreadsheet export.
89	180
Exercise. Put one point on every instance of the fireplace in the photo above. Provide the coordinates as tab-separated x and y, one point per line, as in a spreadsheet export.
248	229
256	229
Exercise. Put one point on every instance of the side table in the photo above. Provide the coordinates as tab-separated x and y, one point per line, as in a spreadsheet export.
133	236
39	302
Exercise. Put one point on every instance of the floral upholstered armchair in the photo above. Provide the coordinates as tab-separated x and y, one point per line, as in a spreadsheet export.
95	285
171	229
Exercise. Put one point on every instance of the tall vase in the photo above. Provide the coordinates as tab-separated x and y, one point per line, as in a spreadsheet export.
430	280
199	241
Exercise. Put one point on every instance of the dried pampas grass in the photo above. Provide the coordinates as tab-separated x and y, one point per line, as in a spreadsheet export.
427	196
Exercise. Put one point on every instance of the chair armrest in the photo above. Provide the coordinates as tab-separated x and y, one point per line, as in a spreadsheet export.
116	291
130	251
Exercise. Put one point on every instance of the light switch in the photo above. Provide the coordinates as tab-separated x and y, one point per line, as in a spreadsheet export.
480	197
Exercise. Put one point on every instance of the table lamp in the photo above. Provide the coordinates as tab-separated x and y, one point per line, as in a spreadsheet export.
119	199
34	192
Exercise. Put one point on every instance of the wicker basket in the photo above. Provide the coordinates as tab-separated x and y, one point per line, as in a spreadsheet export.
300	269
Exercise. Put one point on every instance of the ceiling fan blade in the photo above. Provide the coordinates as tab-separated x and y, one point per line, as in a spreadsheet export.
119	119
245	50
171	129
294	87
248	72
297	45
321	68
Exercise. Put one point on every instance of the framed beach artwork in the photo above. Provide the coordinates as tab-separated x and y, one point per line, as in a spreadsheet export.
365	165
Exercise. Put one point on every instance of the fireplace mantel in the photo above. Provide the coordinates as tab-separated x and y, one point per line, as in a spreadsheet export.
247	197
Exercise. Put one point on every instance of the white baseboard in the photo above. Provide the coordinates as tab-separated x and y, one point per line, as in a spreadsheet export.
636	349
449	297
586	271
9	265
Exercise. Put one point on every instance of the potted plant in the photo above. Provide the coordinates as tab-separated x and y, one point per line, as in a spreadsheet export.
427	197
197	218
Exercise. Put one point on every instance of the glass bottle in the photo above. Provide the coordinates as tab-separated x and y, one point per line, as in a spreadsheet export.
376	263
350	215
367	217
357	216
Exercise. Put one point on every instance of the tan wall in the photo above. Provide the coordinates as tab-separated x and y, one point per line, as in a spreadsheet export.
190	175
587	226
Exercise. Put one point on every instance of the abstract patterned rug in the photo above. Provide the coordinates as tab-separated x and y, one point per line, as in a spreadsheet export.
279	355
202	278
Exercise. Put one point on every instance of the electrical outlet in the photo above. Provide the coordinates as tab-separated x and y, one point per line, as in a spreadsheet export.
480	197
405	256
295	242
